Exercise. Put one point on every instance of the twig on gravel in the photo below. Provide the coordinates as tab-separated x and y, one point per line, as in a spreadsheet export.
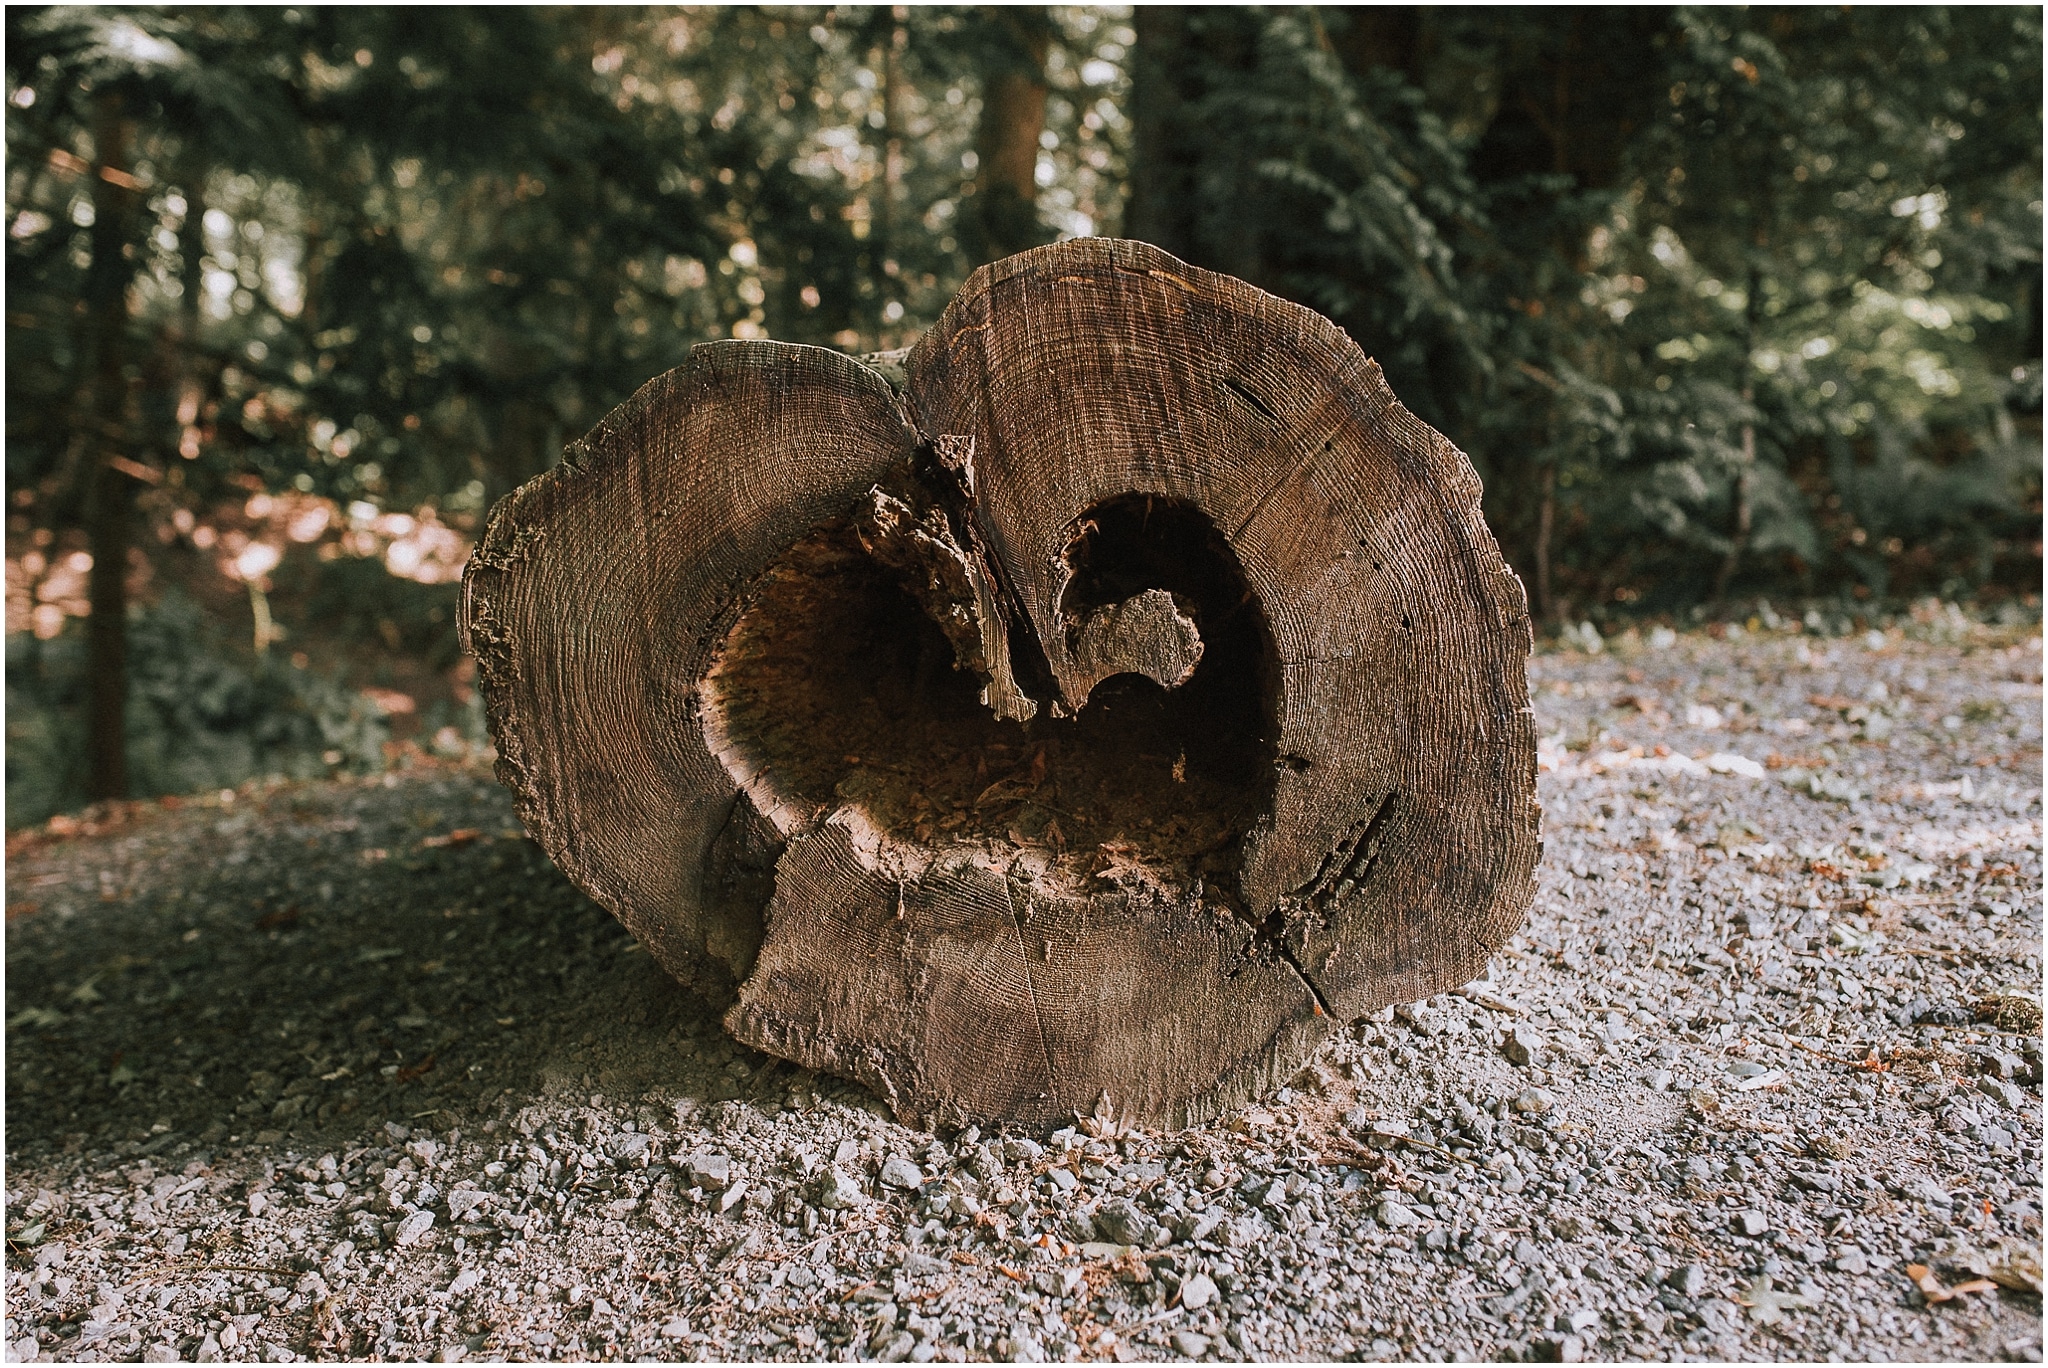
1357	1152
1822	1054
1488	1000
182	1269
813	1244
1872	1064
1419	1144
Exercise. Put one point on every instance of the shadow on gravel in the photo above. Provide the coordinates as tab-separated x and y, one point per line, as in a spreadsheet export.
315	962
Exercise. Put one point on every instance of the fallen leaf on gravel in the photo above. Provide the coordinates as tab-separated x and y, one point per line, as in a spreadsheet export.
1931	1286
1768	1307
1770	1078
1830	1146
1735	835
2008	1263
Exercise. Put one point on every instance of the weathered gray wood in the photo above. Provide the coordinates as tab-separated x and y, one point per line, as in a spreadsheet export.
1099	721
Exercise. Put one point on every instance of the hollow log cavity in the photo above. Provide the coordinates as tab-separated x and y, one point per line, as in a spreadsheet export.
1083	719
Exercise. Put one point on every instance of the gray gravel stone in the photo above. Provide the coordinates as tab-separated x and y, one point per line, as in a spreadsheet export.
2002	1092
1394	1216
413	1229
709	1169
837	1191
1120	1222
1522	1045
1688	1280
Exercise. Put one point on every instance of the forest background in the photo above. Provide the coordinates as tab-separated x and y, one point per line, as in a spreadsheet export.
1737	311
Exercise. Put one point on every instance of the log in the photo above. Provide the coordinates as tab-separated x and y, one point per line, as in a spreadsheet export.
1084	718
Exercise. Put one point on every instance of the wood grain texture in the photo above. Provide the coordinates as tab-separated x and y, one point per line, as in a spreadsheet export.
958	988
1099	368
595	601
1098	720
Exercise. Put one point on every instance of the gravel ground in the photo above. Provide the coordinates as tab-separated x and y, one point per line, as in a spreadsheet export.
348	1070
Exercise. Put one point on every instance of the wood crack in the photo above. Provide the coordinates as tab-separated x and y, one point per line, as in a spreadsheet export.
1350	865
1323	1007
1280	482
1031	989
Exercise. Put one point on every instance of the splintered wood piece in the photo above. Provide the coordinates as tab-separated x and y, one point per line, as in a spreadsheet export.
1087	727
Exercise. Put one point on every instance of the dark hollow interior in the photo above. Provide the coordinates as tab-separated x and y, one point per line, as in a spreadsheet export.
836	682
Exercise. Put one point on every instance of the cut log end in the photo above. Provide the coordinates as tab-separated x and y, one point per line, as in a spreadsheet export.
1131	696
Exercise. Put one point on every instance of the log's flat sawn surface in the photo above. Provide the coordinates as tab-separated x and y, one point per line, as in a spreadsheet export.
350	1070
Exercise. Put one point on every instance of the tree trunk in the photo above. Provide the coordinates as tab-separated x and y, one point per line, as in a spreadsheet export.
192	284
887	212
1162	174
1236	746
1745	476
1006	141
110	491
1546	518
1738	538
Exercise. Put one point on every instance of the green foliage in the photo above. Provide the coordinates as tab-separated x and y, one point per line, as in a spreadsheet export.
1366	196
1729	298
360	605
198	719
406	254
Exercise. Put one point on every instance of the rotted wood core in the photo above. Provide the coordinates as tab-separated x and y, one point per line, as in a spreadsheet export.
853	678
